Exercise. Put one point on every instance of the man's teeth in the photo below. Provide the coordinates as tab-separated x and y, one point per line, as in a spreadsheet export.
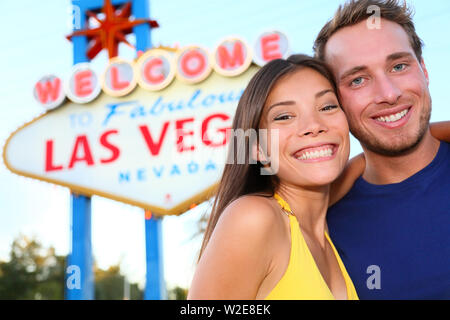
316	154
394	117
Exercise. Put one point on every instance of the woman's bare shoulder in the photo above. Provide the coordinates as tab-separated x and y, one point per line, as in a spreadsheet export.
240	251
253	215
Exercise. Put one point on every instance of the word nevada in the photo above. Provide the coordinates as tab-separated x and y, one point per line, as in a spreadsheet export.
155	69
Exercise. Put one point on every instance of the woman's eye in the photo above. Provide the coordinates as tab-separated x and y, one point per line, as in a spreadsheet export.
283	117
400	67
329	108
358	81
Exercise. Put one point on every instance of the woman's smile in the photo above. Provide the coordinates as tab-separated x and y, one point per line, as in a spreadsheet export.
317	153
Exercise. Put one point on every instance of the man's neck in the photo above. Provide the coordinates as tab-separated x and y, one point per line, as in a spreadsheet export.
382	169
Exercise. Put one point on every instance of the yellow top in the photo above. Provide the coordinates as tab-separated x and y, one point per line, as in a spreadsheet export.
302	279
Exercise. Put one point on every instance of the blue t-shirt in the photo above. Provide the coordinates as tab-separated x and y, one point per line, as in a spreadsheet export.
395	239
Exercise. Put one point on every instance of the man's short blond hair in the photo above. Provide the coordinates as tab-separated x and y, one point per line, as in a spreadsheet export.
355	11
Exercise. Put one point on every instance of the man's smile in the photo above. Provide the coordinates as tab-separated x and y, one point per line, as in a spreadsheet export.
393	118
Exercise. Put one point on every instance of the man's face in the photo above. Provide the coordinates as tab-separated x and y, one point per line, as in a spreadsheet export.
382	86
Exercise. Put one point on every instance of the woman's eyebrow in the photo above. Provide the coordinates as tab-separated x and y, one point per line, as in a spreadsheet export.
282	103
291	102
323	92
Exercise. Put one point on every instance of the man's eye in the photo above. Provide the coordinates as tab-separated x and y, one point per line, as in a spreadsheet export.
283	117
358	81
400	67
330	107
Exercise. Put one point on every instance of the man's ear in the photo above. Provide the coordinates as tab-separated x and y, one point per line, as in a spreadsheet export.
425	71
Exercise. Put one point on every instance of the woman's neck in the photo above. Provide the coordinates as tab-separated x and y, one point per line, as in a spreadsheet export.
309	205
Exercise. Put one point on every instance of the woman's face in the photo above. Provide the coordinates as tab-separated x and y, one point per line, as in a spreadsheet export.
313	132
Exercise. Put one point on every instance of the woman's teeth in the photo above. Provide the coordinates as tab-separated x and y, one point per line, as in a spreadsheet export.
394	117
316	154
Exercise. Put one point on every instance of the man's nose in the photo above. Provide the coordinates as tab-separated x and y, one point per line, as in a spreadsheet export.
386	91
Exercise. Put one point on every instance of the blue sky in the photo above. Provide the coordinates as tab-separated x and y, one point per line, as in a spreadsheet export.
34	44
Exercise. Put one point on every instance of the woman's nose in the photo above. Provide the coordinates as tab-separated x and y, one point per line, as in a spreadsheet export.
312	126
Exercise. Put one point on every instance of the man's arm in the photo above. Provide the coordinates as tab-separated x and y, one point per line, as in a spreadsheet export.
441	130
339	188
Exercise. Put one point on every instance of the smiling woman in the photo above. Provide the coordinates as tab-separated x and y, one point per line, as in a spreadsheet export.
267	236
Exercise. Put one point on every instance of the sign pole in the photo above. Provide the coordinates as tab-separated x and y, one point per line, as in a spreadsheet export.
81	286
154	285
155	288
81	250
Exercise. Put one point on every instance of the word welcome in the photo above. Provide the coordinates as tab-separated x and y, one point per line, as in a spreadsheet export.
155	69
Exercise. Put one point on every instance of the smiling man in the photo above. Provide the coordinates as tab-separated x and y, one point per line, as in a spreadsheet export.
393	228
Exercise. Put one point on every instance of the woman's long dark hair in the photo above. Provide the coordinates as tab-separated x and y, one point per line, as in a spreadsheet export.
243	179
